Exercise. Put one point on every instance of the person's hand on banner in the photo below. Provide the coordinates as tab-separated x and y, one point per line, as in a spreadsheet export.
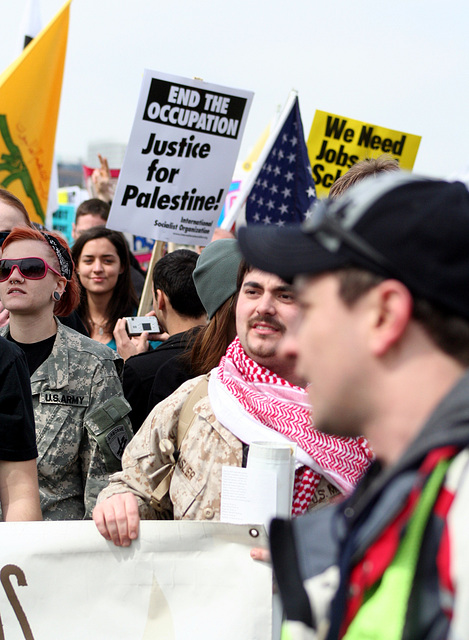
263	555
117	518
127	346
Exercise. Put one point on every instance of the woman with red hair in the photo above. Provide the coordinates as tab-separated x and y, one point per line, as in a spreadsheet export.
79	409
13	214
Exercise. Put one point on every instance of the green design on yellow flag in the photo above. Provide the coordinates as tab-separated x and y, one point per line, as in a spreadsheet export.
29	107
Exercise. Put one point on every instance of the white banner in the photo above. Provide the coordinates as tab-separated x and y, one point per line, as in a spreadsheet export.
178	581
180	159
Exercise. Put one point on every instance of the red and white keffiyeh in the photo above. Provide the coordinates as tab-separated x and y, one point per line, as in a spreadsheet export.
256	404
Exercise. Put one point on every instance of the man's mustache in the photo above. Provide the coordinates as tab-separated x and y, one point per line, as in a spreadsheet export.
275	324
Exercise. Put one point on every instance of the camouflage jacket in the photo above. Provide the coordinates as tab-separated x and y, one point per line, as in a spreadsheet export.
82	424
195	490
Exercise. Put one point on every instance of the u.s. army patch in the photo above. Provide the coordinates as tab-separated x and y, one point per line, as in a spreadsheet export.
117	440
72	399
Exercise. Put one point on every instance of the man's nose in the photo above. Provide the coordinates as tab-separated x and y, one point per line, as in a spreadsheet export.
266	305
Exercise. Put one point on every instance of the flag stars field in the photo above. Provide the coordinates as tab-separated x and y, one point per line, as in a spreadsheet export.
285	176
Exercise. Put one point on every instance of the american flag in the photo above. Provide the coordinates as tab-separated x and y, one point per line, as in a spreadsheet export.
284	189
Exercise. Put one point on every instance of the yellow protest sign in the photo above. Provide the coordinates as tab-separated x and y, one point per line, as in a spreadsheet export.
29	105
336	143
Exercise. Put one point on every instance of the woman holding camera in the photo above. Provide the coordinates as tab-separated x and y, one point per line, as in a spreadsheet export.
79	409
107	294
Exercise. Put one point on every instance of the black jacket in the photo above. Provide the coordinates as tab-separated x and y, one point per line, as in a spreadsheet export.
152	376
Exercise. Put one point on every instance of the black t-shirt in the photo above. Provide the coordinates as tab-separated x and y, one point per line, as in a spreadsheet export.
140	371
17	429
36	352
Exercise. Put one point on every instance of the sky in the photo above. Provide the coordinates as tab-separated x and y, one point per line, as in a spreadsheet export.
399	64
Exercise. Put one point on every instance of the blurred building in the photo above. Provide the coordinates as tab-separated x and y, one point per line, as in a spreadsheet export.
70	174
113	151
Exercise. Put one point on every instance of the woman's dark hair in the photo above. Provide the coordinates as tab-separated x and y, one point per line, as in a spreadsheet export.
124	300
213	339
70	297
243	269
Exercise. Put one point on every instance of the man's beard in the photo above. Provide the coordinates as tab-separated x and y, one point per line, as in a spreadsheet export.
265	348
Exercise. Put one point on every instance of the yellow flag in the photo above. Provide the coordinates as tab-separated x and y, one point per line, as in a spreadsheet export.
29	106
255	152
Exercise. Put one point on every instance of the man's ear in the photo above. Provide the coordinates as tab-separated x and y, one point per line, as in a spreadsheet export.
391	314
160	300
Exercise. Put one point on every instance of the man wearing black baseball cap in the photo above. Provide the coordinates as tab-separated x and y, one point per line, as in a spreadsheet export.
383	277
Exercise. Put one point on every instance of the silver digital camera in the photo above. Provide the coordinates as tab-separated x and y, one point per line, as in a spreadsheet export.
137	325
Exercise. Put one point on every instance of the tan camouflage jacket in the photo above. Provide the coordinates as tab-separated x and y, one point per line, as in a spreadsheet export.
195	490
82	424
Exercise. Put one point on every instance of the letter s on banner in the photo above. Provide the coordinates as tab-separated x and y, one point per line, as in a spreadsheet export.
153	110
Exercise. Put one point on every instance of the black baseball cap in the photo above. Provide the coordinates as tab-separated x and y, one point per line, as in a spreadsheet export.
397	225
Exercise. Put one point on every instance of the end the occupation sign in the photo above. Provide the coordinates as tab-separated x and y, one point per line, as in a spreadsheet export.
180	159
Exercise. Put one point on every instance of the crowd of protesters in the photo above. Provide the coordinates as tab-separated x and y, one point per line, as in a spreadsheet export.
347	336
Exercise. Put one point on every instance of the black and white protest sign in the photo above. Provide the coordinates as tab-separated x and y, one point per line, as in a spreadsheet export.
180	159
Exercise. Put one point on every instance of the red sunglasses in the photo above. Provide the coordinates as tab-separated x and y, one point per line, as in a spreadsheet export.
30	268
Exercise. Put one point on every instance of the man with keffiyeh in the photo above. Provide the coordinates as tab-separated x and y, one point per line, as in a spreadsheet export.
252	395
